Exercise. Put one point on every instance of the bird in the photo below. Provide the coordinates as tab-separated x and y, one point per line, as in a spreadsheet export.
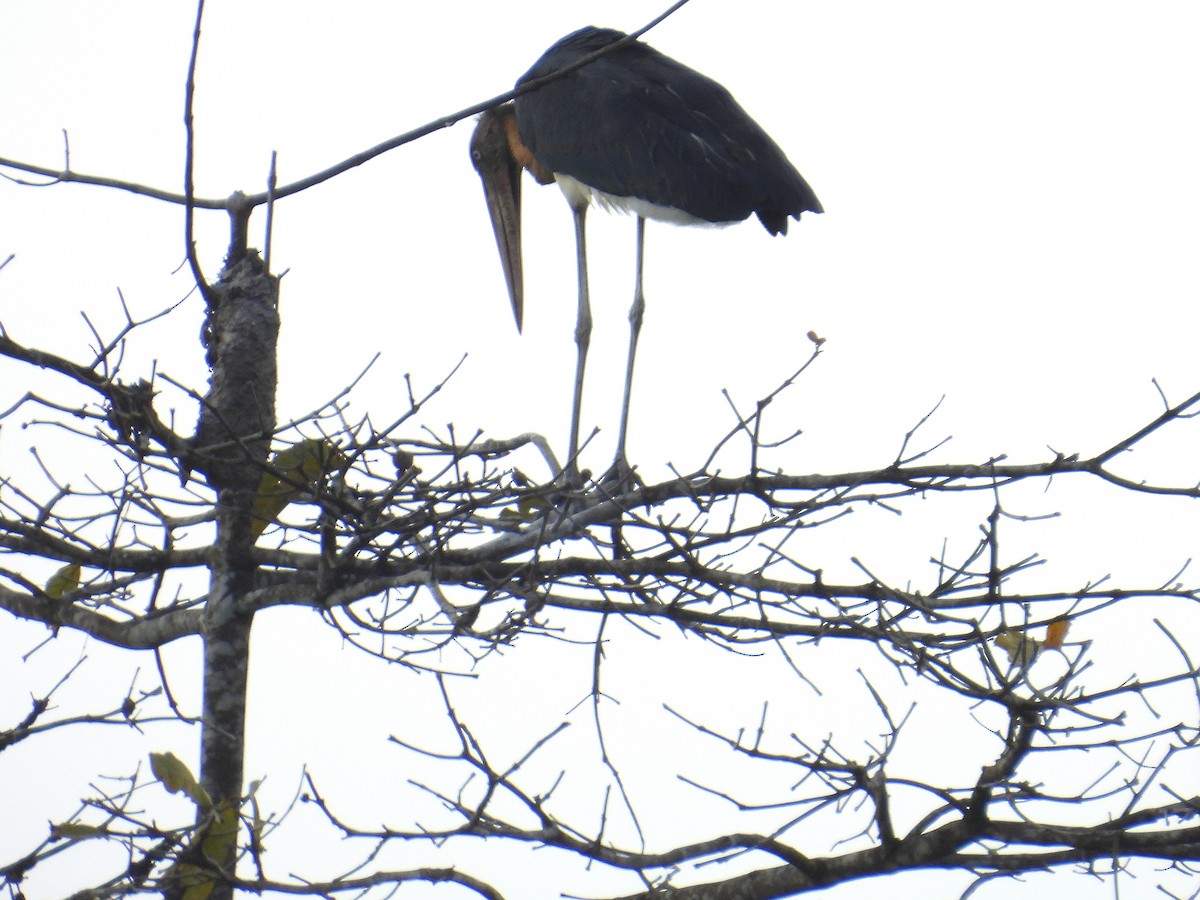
632	131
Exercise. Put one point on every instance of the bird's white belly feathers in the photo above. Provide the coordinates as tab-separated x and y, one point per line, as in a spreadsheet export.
579	195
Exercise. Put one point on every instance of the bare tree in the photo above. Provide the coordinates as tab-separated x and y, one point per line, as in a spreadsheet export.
992	742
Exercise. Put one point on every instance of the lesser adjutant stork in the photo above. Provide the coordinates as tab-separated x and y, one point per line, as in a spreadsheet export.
636	131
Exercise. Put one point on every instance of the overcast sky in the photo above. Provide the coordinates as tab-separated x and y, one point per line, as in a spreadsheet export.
1011	194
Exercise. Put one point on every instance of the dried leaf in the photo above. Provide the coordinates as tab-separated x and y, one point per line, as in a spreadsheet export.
1056	633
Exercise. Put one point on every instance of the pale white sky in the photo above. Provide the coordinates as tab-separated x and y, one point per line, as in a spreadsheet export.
1011	194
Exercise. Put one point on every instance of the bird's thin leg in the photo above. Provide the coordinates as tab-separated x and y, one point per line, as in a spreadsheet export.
635	328
583	335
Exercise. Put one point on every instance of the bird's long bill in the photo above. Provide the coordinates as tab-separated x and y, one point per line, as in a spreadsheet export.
501	176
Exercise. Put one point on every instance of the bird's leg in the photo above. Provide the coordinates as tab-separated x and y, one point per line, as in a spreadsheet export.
621	464
583	335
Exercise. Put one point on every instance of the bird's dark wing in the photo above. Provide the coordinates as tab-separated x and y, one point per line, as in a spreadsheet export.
636	123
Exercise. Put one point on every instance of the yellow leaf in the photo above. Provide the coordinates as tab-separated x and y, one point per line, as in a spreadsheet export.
199	891
63	581
73	831
309	460
269	502
175	777
1021	649
170	770
304	463
197	883
528	508
217	839
220	838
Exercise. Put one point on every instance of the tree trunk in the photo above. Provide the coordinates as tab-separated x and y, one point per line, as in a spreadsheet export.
232	440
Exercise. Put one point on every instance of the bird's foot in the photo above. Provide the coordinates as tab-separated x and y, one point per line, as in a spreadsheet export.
572	479
620	477
574	489
567	491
